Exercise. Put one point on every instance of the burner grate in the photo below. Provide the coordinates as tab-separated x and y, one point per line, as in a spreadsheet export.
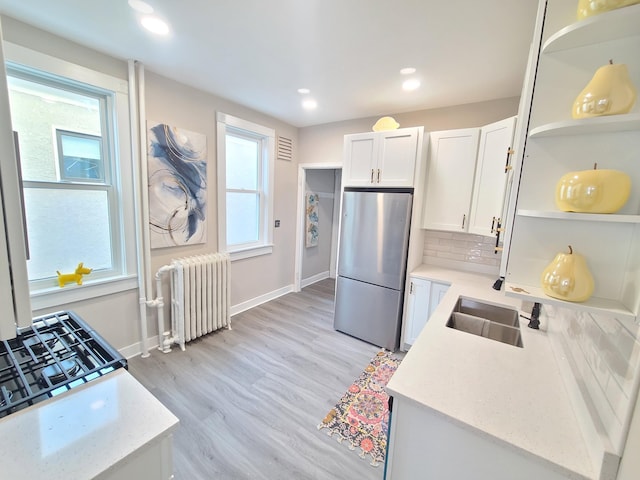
58	352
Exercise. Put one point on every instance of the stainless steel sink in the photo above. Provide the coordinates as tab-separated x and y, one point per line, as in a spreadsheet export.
494	313
485	320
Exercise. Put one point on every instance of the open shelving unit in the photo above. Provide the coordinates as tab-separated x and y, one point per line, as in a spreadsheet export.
557	144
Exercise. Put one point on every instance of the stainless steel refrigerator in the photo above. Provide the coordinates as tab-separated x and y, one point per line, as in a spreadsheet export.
372	260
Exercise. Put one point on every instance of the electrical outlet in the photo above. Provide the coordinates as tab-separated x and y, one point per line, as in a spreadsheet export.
277	223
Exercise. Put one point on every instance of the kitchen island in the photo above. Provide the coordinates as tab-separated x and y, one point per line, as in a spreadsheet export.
471	407
109	428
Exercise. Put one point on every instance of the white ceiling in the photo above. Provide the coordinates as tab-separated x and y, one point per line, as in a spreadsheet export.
347	52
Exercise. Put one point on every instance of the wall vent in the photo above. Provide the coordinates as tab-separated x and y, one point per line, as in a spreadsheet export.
285	148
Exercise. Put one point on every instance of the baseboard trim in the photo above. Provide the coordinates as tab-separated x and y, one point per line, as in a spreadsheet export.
313	279
254	302
135	349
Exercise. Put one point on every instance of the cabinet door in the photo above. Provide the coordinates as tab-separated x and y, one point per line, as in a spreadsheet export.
418	309
397	159
360	164
491	176
450	173
438	291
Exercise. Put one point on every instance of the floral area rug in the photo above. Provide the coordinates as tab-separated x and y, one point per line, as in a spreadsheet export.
361	417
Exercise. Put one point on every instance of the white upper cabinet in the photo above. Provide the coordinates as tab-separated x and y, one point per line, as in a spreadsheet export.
557	144
381	159
450	173
493	173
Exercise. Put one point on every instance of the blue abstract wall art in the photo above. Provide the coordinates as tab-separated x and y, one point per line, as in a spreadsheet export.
177	169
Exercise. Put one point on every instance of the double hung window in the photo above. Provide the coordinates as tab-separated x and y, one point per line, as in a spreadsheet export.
70	152
245	172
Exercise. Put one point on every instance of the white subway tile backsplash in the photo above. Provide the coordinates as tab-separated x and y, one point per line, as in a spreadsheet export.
606	357
461	247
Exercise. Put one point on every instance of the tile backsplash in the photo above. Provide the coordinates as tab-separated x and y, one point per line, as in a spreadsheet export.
461	250
604	354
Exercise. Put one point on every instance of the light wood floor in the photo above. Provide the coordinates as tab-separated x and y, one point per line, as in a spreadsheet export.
249	399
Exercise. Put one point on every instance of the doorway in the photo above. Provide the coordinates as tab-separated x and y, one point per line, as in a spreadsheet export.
316	256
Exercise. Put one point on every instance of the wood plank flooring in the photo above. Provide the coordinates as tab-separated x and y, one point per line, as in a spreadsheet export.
249	399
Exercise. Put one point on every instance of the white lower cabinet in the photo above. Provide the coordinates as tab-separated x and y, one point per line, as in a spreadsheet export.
424	297
424	444
153	462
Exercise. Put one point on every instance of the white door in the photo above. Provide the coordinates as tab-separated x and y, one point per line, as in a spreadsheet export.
397	159
418	309
450	174
15	303
491	177
360	166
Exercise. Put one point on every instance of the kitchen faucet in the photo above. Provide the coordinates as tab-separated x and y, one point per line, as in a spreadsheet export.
534	320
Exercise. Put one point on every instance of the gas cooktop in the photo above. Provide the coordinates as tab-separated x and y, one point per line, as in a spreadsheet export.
57	353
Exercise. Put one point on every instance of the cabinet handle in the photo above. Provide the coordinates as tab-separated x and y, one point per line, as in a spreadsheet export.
493	222
372	175
410	288
378	175
499	229
508	167
464	218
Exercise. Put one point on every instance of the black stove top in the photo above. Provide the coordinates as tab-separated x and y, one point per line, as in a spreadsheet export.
58	352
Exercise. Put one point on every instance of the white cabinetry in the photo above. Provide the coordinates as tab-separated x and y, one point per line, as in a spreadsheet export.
493	173
450	171
381	159
466	183
557	144
425	444
424	297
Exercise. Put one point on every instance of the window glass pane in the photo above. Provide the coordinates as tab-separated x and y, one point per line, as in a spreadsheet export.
242	163
37	110
242	218
81	156
67	227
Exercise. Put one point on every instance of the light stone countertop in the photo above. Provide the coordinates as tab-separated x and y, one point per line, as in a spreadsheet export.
515	395
82	432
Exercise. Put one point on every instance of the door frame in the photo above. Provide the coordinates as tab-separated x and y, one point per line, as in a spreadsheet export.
300	230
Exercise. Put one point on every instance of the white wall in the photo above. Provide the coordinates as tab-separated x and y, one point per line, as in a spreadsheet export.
604	357
323	143
116	316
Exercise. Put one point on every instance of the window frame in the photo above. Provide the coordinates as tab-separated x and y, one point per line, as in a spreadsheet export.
123	277
266	136
59	152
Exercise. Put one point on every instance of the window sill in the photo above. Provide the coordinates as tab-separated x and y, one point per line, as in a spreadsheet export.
251	252
58	296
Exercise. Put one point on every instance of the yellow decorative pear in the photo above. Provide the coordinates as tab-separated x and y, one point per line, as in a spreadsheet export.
568	278
385	123
593	191
586	8
610	92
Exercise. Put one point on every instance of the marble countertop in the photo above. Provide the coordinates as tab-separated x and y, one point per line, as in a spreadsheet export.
515	395
83	432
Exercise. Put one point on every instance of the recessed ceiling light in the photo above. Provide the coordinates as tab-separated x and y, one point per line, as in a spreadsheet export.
140	6
304	91
411	84
407	71
309	104
155	25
